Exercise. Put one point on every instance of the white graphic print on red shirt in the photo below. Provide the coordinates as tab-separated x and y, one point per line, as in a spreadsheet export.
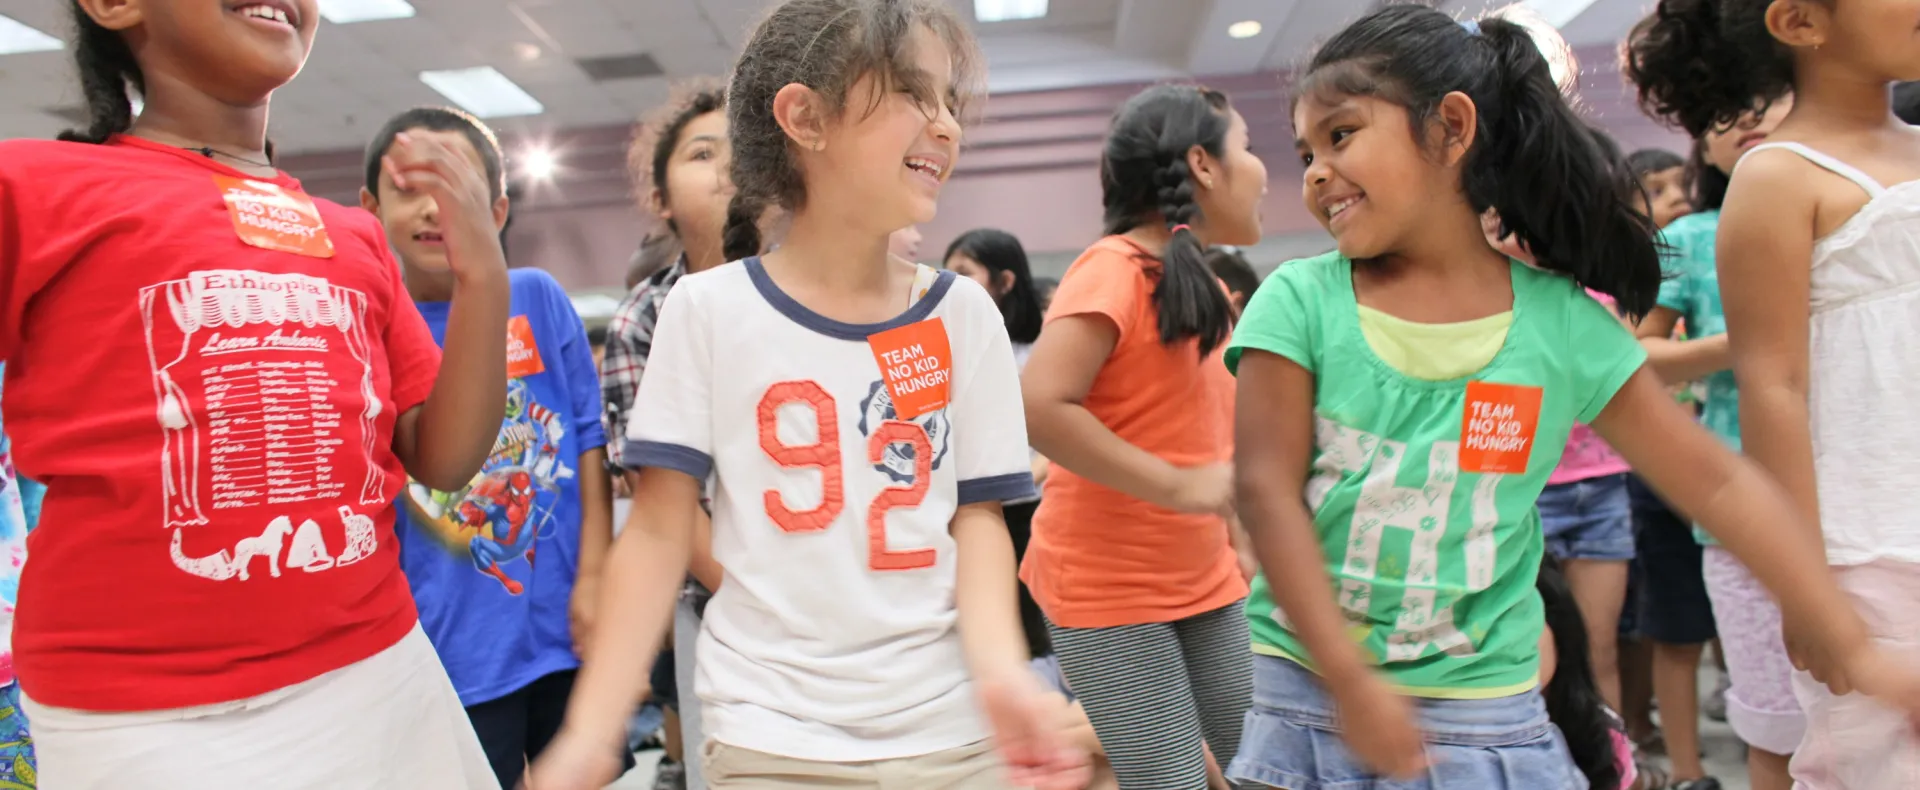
247	382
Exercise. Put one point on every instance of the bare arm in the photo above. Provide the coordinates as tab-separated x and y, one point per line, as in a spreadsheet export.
1065	361
985	593
642	580
1765	254
596	535
1273	445
1681	361
1735	501
704	568
443	441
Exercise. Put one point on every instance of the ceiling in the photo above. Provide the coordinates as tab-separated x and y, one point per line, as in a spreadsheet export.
361	73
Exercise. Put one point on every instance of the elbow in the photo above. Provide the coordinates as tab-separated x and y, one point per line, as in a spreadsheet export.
444	476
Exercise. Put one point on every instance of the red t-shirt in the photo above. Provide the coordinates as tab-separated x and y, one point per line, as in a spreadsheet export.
214	424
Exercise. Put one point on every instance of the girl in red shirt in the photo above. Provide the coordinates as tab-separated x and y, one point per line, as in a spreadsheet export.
222	382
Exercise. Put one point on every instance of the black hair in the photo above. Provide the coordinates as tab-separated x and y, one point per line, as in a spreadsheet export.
1556	184
1144	177
1000	251
1647	161
107	69
659	136
439	119
1906	102
1702	64
1232	268
597	335
1573	698
826	45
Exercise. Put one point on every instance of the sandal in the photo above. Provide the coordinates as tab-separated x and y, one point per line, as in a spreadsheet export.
1651	776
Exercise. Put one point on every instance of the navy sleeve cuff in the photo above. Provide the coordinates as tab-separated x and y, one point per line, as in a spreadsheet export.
686	460
999	488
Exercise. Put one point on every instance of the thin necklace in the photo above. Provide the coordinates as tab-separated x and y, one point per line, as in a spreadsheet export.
209	152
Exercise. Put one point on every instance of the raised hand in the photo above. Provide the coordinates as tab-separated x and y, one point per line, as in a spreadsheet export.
460	194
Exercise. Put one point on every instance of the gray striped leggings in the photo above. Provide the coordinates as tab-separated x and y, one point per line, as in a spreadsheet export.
1153	691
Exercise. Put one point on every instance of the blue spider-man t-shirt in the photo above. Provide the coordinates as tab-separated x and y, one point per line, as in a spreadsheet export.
492	567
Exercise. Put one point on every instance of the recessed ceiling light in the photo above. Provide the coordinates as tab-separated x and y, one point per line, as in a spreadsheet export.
16	37
1008	10
342	12
483	91
1246	29
539	164
1559	12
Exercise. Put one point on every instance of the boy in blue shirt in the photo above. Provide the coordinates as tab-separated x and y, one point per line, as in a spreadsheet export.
504	571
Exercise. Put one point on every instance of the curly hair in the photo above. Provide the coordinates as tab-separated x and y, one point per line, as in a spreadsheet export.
656	136
1701	64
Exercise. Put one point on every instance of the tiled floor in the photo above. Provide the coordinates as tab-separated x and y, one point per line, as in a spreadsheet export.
1726	757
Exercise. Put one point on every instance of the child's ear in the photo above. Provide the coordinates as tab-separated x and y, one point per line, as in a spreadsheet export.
1459	123
115	15
657	206
1003	282
797	109
502	207
1203	167
369	202
1798	24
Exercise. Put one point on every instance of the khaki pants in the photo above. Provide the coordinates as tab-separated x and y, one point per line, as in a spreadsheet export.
974	767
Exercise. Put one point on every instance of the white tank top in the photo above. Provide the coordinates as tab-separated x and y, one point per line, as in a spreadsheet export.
1864	370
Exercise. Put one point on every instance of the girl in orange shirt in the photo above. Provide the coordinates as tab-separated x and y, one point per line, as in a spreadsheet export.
1131	558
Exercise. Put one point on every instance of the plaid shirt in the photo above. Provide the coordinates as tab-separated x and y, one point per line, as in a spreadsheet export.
629	343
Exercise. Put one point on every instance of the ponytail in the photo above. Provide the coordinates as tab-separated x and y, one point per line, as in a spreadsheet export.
1555	182
740	238
107	68
1144	173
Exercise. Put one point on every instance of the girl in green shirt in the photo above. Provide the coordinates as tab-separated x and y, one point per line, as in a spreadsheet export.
1402	402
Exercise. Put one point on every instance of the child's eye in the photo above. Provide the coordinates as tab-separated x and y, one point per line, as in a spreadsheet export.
1339	135
702	155
1306	159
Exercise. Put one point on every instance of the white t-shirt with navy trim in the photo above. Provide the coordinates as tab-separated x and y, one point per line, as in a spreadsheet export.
808	650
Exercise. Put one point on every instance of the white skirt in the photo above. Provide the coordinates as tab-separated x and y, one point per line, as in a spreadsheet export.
390	721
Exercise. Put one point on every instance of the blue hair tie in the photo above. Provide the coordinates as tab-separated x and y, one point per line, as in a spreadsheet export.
1472	26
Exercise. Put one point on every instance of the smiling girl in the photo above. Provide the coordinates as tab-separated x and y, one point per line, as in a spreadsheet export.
859	417
202	610
1395	399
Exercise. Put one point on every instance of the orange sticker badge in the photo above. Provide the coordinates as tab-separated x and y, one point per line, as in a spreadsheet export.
523	354
1496	434
916	361
270	217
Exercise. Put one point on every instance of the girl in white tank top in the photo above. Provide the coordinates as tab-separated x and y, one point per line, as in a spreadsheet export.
1819	258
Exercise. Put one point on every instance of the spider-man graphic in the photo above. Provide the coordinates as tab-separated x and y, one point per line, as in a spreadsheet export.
498	507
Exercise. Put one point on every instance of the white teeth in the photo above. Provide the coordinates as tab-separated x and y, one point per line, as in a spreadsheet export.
925	165
265	12
1335	209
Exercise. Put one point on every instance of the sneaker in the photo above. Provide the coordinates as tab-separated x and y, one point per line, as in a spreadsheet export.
670	775
1715	706
1707	783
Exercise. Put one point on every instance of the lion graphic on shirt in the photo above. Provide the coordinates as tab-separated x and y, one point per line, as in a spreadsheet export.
897	462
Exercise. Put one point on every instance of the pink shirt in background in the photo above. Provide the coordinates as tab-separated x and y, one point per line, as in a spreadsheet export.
1587	456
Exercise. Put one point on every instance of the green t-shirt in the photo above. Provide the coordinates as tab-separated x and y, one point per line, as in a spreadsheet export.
1692	289
1432	563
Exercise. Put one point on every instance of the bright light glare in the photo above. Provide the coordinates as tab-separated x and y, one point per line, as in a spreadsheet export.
343	12
539	164
1247	29
16	37
1008	10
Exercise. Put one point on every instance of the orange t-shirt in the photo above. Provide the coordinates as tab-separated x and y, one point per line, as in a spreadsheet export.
1102	558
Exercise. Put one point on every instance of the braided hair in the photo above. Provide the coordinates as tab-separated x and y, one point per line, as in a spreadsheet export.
1144	177
107	68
